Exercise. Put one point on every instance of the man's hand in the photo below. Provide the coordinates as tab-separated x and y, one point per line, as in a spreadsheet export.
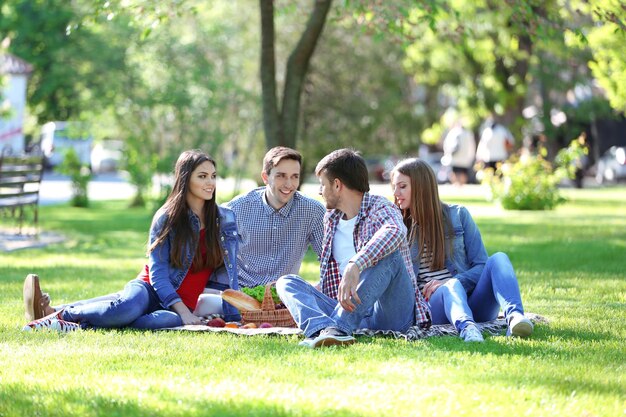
431	287
347	287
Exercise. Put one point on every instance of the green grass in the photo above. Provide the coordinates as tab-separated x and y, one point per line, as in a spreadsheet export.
570	264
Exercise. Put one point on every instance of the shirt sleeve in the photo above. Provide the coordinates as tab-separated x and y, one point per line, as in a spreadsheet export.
389	235
159	267
474	250
316	238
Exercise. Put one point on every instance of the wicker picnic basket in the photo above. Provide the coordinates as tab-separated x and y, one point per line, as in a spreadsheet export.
268	314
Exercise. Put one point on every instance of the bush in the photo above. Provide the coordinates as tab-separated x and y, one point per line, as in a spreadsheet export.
530	182
79	174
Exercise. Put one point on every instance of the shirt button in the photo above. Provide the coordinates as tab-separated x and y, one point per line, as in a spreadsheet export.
225	252
222	237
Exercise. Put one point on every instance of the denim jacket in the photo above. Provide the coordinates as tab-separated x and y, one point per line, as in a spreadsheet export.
468	256
166	278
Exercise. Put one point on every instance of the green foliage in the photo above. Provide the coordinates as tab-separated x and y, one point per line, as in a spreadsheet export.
530	182
79	174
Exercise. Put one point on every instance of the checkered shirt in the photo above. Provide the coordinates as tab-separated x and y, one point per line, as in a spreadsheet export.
378	232
274	242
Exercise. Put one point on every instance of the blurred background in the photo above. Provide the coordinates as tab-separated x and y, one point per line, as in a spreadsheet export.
129	84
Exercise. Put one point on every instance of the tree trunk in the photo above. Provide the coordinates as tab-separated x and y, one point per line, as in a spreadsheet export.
281	128
271	123
297	67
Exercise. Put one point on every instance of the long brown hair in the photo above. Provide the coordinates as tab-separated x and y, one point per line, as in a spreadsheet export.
426	211
177	220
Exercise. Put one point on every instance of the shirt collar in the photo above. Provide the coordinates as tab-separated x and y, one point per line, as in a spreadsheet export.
284	210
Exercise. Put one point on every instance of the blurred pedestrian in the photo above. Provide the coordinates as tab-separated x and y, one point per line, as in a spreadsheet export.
496	143
459	152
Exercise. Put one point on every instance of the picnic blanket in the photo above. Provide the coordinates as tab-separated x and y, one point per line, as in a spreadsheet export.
494	327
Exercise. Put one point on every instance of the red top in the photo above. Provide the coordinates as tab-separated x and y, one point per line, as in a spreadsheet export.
194	282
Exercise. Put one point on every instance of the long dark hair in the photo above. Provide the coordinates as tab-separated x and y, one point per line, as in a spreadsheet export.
177	218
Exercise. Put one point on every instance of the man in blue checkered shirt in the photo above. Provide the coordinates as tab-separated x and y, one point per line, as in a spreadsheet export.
276	223
367	278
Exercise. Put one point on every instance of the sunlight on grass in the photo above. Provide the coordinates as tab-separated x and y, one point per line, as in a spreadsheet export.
570	264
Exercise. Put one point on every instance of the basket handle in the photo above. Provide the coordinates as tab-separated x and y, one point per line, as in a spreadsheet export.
268	300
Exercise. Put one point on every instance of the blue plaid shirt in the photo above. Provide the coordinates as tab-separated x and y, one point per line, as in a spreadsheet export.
378	232
274	242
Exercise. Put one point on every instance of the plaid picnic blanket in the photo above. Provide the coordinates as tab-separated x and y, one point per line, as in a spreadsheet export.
494	327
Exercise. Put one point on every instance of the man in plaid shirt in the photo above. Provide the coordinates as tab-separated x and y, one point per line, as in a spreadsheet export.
367	278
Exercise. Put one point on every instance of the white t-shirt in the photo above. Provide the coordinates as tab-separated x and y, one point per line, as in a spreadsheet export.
459	148
343	243
492	146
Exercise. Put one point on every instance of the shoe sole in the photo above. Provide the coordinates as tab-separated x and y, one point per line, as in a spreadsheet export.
332	341
522	329
32	298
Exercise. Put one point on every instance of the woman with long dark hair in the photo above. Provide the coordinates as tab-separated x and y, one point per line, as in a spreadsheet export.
462	284
191	240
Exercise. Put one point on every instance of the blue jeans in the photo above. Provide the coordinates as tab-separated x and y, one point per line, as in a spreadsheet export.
137	306
387	301
448	304
497	289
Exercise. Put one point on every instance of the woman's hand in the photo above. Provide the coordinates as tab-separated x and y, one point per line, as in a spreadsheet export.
431	287
185	315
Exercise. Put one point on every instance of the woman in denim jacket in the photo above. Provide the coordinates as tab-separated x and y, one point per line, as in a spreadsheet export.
193	244
461	282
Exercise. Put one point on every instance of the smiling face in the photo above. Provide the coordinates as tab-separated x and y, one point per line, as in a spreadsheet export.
201	184
281	182
401	186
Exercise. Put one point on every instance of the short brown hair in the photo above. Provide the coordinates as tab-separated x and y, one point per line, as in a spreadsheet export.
348	166
277	154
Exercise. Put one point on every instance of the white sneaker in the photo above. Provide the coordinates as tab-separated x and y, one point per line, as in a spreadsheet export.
52	322
330	336
471	334
519	326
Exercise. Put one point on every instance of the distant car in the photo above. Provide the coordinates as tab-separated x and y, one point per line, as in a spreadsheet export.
106	156
611	166
441	171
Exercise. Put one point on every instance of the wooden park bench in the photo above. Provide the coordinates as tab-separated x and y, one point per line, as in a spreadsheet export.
20	179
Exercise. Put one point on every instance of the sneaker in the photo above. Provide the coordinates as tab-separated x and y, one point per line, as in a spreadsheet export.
330	336
53	322
33	308
519	326
308	342
471	334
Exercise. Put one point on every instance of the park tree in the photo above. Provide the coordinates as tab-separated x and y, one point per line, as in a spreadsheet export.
71	74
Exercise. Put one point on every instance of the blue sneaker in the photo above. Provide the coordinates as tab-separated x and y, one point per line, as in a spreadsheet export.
471	334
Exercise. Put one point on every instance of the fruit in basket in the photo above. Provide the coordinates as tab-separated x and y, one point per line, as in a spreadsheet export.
216	322
265	326
240	301
249	326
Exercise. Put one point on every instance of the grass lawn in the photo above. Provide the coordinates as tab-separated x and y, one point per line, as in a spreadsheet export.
570	264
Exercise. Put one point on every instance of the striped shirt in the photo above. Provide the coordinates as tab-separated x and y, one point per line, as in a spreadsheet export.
274	242
379	231
425	275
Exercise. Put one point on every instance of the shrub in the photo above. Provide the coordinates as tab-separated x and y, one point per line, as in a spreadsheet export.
79	174
529	182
